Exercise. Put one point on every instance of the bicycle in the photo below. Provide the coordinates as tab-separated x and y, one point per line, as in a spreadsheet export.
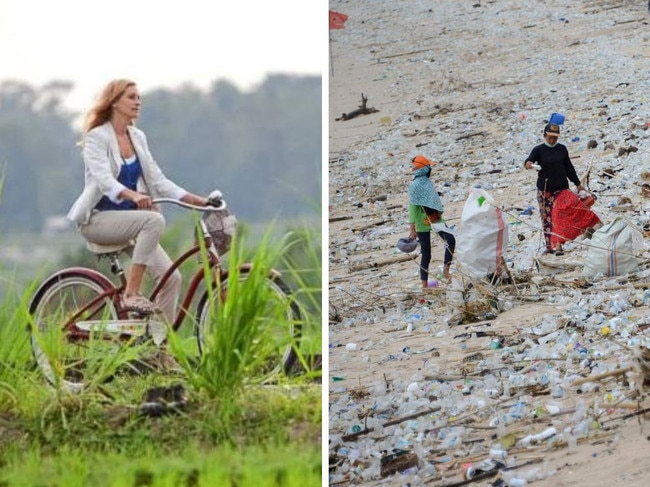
86	307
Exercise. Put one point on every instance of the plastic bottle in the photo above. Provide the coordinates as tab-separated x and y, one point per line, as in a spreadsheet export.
547	433
557	391
498	453
543	379
547	338
572	442
512	480
517	482
518	410
580	411
527	440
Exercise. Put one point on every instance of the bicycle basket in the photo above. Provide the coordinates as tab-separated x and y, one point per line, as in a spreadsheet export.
222	226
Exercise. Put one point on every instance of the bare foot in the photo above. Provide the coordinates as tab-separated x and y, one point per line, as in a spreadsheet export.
446	273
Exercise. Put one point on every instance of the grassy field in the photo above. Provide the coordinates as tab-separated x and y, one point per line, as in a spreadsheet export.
223	419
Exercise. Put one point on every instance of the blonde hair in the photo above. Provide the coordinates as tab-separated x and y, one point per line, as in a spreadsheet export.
101	112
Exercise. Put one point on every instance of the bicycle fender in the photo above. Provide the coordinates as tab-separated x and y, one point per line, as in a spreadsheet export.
246	268
96	276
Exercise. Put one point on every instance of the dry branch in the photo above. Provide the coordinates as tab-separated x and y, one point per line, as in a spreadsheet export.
340	218
445	377
604	375
392	422
375	223
470	135
362	110
412	416
381	263
390	56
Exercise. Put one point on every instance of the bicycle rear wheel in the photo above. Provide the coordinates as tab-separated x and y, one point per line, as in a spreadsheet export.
62	352
278	328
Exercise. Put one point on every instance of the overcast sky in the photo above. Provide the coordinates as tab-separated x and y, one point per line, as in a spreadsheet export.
159	43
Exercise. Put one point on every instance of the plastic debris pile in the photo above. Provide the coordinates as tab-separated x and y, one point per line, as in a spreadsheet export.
423	389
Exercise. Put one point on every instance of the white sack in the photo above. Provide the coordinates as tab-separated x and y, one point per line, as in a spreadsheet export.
612	250
483	236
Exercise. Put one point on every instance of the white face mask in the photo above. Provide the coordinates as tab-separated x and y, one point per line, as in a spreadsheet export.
550	145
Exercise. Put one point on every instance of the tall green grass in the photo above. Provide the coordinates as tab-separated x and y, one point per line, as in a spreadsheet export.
248	327
233	431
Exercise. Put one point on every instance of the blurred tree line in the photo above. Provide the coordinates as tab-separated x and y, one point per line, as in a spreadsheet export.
261	148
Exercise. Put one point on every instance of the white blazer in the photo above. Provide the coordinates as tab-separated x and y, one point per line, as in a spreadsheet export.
102	161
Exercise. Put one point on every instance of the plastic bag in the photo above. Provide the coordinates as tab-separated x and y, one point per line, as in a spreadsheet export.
571	217
483	236
612	250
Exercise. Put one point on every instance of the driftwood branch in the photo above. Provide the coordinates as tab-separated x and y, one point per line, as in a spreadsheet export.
374	223
381	263
412	416
362	110
390	56
470	135
340	218
604	375
392	422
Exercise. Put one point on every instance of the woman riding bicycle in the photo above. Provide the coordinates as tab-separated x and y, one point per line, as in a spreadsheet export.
115	207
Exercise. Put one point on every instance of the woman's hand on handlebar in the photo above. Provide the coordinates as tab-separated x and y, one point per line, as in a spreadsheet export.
215	198
195	200
142	201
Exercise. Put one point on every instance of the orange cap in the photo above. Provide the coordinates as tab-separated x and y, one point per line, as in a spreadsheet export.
421	161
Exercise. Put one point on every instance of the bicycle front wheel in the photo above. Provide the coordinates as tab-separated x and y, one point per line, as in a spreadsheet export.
277	328
63	352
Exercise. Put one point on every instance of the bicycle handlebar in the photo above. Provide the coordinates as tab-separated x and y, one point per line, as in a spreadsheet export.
189	206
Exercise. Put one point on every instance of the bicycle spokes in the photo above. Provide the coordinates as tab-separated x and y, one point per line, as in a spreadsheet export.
77	338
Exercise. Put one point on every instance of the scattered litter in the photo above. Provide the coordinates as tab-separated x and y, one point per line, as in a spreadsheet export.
526	352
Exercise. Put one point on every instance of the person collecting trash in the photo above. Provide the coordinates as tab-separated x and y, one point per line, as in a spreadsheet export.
564	216
425	210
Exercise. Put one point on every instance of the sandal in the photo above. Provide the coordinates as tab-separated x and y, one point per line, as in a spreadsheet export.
139	304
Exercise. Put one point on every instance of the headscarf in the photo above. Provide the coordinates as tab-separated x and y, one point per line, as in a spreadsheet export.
422	192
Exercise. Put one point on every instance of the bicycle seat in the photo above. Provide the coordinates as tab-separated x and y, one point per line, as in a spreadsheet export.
99	249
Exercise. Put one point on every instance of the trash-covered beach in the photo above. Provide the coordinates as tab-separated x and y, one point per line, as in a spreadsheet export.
538	377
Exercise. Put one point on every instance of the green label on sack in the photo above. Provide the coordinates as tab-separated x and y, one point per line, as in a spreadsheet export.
481	200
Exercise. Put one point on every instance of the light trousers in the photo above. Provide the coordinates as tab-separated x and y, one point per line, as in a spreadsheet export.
144	228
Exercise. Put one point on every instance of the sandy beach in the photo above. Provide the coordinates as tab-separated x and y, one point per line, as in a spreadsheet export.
422	386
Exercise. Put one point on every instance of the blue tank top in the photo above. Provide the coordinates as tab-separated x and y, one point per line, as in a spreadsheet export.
129	174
